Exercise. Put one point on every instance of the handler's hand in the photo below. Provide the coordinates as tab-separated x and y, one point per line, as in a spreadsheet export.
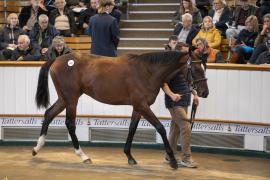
196	100
175	97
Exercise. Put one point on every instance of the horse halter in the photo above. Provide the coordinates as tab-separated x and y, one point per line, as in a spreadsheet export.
192	82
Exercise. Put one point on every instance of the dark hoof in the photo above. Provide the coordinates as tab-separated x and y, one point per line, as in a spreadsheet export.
174	164
87	161
34	152
132	162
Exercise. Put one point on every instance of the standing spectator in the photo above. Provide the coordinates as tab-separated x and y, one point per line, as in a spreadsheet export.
245	41
186	6
58	48
42	34
204	6
207	53
178	104
89	12
259	44
63	19
264	7
186	31
241	13
210	33
264	58
221	16
116	13
104	30
9	36
24	52
29	14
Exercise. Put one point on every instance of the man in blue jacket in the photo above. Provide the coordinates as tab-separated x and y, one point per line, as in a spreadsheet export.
104	30
43	33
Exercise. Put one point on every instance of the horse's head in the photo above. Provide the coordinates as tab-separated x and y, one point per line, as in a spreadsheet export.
195	73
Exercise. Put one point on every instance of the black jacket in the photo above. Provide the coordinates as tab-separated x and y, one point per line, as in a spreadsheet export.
32	54
48	35
9	36
191	35
247	37
179	85
85	16
26	13
264	58
224	18
116	13
69	13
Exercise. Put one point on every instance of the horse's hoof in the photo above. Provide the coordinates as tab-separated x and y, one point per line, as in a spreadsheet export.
87	161
34	152
174	164
132	162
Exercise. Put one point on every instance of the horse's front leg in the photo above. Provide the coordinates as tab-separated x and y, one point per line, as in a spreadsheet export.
135	118
71	126
152	119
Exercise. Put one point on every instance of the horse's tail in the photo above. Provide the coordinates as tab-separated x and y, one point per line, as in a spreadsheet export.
43	94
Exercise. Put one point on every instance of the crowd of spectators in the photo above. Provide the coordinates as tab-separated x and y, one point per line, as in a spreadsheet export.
206	22
245	26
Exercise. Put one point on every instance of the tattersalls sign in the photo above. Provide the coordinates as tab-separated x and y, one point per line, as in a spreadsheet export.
211	127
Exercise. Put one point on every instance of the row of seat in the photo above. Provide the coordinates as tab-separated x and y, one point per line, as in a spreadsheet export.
83	43
11	6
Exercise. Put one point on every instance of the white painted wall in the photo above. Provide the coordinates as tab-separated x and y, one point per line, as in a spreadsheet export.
234	95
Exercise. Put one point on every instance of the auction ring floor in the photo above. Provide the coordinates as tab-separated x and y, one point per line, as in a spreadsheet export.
110	163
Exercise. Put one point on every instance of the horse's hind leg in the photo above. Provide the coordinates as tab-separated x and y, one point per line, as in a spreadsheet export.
50	114
71	126
132	129
151	118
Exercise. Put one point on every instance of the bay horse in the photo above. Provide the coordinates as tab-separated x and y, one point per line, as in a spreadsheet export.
126	80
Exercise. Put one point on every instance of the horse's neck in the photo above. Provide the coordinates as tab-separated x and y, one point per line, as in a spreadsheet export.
161	73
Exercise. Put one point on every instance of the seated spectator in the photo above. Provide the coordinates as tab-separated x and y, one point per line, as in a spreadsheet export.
85	15
72	3
207	53
63	19
42	34
24	52
29	14
241	13
9	36
82	6
186	6
173	40
186	31
210	33
204	6
259	44
264	58
245	41
221	16
58	48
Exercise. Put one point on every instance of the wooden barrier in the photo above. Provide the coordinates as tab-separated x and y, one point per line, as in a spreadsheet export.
81	43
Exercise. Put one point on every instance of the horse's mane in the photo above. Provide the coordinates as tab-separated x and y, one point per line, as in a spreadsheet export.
165	57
